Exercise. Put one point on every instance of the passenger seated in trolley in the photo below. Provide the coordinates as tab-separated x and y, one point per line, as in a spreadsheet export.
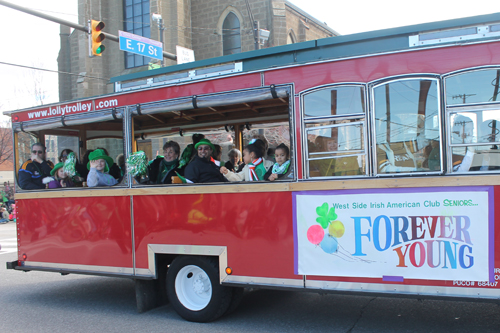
201	169
282	168
234	164
163	168
59	178
255	164
98	166
33	171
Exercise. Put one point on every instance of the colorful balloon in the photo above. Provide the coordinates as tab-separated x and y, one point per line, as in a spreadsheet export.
336	229
329	244
315	234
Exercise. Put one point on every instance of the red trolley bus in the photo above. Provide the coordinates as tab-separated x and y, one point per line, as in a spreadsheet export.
395	153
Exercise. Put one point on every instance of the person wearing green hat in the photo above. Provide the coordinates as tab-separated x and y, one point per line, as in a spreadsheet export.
201	169
59	177
98	166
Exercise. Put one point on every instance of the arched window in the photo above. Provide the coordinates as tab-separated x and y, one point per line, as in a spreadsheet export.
231	37
291	38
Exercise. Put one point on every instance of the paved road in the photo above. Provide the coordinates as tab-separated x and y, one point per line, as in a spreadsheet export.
49	302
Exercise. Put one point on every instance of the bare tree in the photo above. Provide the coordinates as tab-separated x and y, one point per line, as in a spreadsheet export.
34	88
5	141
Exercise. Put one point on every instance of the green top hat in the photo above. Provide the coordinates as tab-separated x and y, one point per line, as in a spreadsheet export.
56	167
204	142
99	154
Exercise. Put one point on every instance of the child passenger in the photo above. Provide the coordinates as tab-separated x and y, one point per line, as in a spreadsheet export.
255	165
59	177
98	166
282	167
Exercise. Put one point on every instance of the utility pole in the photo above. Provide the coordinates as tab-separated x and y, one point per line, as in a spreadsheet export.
462	96
161	27
255	26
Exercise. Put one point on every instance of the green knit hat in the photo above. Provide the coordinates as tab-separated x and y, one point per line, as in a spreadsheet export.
56	167
99	154
204	142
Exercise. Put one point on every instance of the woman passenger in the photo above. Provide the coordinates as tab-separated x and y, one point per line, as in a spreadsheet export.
234	162
161	170
64	155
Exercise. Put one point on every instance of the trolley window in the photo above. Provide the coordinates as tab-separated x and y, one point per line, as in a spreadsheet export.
334	121
406	129
473	119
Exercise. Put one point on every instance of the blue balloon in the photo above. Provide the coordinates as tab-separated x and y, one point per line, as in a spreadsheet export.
329	244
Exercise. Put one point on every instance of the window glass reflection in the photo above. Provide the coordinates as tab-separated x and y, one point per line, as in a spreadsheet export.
473	87
407	126
324	139
334	101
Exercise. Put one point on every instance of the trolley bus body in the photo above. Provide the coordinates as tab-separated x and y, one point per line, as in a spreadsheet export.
428	231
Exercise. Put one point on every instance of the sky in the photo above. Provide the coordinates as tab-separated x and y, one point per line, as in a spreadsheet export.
31	41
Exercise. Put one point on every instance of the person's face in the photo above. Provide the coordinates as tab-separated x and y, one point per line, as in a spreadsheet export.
218	157
204	151
236	159
38	150
61	174
64	156
247	156
101	164
280	156
331	145
169	154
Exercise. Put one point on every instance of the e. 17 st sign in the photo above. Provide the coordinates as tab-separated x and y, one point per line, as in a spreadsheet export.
140	45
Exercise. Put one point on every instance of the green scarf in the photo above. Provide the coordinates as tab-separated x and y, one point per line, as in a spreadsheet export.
165	168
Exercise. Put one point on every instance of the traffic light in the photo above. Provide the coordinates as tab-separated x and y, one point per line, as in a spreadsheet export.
97	36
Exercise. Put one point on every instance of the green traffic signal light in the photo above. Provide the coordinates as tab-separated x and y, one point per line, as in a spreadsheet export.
97	37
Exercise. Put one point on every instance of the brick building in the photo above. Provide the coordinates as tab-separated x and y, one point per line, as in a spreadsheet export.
211	28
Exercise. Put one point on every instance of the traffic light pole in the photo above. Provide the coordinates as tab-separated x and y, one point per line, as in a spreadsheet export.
70	24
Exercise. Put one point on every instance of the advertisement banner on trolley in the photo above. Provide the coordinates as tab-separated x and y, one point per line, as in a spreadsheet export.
396	234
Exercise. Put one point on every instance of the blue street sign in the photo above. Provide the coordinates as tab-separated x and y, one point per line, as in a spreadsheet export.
140	45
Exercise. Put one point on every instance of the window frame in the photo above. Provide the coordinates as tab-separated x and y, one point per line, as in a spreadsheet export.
358	117
233	33
373	141
474	107
51	126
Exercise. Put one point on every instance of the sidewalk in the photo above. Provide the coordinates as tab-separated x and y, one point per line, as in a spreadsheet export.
8	239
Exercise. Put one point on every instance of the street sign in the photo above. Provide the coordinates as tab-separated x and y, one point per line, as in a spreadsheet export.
140	45
184	55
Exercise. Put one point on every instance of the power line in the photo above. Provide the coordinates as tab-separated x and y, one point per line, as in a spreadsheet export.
53	71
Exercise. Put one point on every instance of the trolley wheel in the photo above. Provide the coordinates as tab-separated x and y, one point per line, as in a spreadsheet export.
236	297
194	289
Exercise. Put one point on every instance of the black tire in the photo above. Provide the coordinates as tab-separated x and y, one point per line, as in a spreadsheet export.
194	289
236	298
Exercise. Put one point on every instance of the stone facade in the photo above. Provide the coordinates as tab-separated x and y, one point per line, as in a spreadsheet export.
194	24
